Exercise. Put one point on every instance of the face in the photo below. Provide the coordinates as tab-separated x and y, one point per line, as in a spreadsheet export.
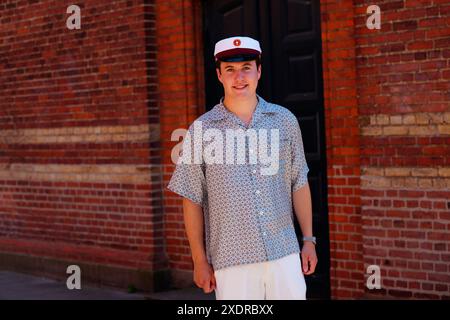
239	79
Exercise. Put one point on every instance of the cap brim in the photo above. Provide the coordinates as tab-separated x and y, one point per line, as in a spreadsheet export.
240	58
237	55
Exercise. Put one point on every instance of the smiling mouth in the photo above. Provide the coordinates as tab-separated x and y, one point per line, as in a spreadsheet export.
241	87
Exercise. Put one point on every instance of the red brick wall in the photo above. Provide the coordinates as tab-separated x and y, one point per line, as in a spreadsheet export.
403	75
80	175
343	149
181	101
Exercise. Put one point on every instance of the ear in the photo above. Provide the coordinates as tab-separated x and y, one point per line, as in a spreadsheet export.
219	75
259	72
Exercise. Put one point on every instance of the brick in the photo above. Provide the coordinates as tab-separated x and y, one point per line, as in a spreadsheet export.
423	130
395	130
415	275
425	183
405	25
382	119
447	117
444	129
424	172
409	119
372	131
373	171
444	172
443	278
436	118
375	182
441	287
395	120
422	118
438	236
441	183
398	172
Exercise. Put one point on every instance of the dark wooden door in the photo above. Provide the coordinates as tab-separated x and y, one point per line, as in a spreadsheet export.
289	33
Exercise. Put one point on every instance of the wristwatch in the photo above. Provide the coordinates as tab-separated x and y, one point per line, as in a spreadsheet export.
311	239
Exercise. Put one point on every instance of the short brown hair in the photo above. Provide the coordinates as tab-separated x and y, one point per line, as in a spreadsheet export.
257	60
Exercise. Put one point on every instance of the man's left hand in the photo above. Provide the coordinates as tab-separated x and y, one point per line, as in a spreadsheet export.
309	258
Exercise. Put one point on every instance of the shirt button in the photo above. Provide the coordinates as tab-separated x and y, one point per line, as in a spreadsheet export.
251	151
261	213
254	171
258	192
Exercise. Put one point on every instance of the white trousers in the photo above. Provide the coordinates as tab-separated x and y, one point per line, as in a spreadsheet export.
280	279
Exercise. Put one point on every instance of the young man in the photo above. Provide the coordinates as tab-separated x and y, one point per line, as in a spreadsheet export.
250	250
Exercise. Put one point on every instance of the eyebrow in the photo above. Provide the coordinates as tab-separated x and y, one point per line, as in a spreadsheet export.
244	65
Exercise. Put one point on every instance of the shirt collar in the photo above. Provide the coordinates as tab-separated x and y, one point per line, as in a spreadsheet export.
220	111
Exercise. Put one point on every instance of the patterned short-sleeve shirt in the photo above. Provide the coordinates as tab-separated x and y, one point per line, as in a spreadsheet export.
248	216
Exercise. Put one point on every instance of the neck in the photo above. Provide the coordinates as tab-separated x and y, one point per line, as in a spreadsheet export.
242	106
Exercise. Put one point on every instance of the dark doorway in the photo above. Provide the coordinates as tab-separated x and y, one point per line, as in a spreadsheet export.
289	33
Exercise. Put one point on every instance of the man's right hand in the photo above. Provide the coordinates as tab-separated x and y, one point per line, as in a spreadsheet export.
204	276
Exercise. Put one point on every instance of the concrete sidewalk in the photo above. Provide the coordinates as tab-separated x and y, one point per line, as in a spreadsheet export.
18	286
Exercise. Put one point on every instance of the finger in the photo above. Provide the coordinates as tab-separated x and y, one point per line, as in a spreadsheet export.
312	264
305	264
213	281
212	286
207	287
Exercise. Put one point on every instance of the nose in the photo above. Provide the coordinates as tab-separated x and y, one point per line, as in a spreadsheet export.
239	75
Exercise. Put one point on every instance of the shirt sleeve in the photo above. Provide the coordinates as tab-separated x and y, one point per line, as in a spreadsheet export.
188	178
299	166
